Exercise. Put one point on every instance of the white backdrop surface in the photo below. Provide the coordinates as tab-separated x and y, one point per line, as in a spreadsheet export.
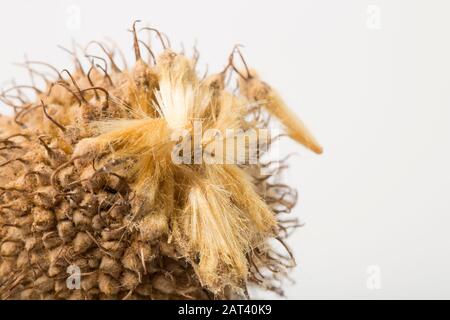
372	81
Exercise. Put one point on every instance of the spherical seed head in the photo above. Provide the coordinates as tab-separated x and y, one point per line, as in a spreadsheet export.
88	184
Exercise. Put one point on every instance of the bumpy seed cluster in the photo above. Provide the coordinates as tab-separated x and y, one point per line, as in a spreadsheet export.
88	183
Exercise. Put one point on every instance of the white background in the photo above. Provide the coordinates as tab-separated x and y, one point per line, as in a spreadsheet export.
372	81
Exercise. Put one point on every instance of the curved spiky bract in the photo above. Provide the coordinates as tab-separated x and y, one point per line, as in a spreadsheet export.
90	178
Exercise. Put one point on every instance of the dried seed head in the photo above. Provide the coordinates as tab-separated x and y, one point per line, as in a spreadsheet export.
108	285
82	242
43	220
87	178
129	280
257	90
10	248
154	226
110	266
66	230
89	281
